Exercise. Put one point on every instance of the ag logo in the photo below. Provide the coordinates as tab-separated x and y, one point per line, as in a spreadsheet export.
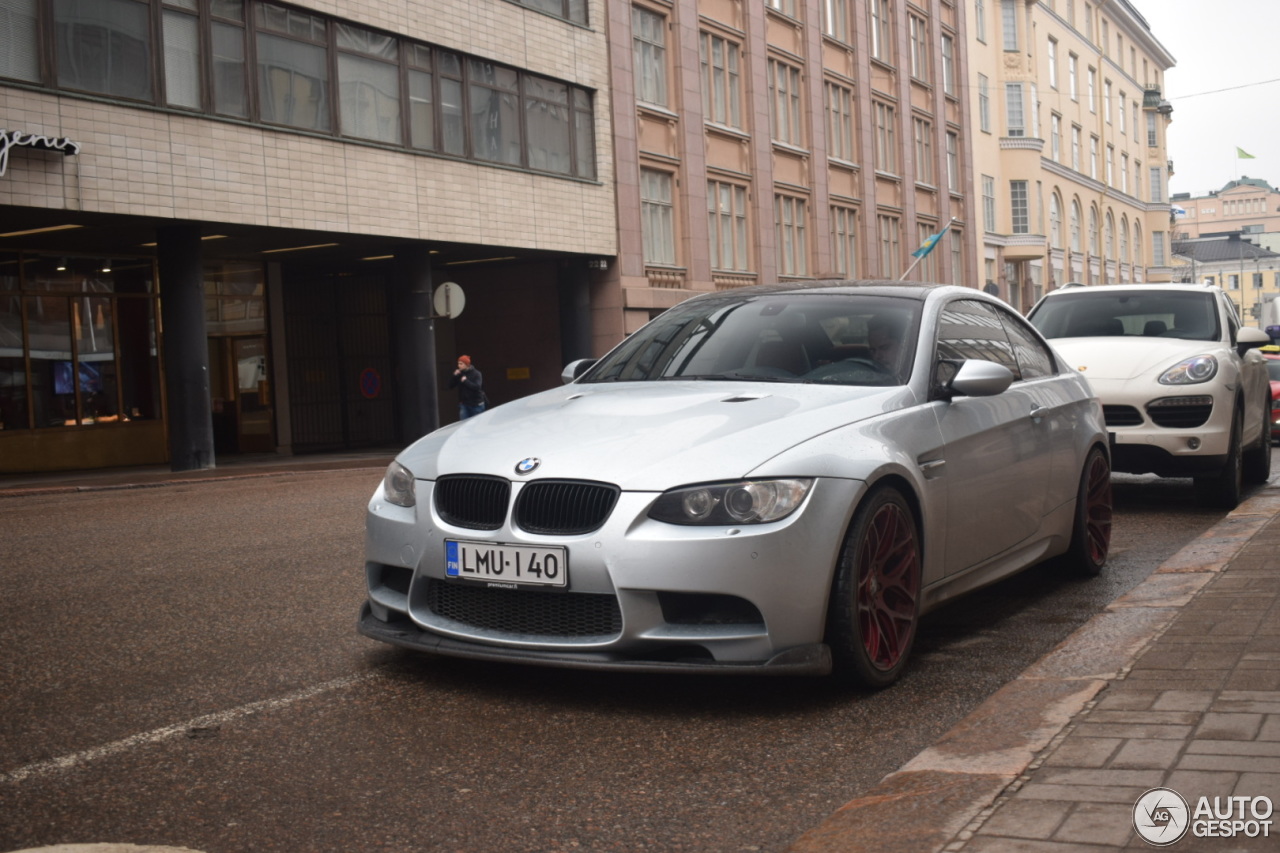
1161	816
528	466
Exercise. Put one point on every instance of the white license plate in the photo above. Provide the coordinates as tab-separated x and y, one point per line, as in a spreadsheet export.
517	565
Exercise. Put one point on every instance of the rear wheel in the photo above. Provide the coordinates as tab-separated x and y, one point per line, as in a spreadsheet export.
1257	459
1224	489
875	605
1091	533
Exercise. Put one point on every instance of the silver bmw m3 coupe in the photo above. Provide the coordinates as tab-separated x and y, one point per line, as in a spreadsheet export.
774	480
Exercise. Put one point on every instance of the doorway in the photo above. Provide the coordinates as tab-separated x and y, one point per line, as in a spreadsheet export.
240	387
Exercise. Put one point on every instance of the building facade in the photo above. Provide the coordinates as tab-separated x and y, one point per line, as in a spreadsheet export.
1248	205
1249	273
223	222
1069	148
767	140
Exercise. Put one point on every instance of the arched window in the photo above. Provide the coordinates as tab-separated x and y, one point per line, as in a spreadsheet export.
1093	231
1055	221
1109	237
1138	256
1075	226
1124	239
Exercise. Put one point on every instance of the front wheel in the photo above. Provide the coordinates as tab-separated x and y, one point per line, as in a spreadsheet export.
1257	459
875	604
1224	489
1091	532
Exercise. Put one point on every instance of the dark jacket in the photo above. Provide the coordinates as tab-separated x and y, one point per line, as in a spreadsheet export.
470	392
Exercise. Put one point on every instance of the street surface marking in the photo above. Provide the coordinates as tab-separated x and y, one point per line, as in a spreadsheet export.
76	759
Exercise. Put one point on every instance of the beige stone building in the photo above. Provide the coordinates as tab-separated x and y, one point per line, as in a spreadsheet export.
222	222
1247	205
767	140
1069	145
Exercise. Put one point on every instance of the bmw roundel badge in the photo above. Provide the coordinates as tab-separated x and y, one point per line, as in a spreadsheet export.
528	466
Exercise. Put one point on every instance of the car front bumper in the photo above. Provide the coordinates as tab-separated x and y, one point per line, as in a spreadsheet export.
1166	430
642	594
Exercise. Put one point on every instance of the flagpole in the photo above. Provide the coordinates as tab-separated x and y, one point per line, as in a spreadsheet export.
919	258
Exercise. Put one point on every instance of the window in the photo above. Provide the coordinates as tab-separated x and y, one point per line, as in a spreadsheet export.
1013	109
570	10
1019	207
840	134
786	7
1093	157
369	85
1088	22
1123	111
1157	184
103	47
1055	221
844	241
649	45
918	36
495	116
1075	226
989	203
789	222
657	217
881	30
984	103
948	64
1105	40
784	103
721	85
953	162
1052	56
980	20
1106	100
957	256
1093	90
293	71
1092	247
1009	24
727	221
1073	70
1124	173
835	19
1124	240
923	131
928	266
890	231
1075	147
181	40
969	329
1152	141
886	138
1111	156
1109	237
1055	137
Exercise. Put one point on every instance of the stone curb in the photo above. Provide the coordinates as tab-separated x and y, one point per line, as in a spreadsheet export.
935	797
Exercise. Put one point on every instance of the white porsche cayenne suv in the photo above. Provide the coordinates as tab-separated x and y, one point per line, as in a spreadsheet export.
1184	388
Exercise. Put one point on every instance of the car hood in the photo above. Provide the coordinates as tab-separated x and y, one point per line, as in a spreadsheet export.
646	436
1128	358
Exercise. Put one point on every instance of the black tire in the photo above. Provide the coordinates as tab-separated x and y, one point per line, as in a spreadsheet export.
1091	533
875	602
1224	489
1257	459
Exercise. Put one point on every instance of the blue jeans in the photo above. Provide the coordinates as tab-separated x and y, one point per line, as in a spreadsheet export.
465	411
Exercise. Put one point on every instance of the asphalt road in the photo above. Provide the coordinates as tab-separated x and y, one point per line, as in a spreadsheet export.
180	667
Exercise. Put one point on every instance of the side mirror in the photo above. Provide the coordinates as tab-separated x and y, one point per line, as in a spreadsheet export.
979	378
1249	338
574	369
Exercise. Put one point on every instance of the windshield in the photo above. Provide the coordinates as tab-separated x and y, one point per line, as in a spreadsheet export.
1160	313
1164	314
831	339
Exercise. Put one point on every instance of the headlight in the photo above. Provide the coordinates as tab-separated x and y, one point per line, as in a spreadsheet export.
397	485
749	502
1191	371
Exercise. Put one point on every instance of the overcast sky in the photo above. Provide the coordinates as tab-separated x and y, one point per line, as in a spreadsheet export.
1224	45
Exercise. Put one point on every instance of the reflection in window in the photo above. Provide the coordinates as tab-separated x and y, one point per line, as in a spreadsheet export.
293	77
104	46
546	107
181	59
495	116
657	216
229	84
368	84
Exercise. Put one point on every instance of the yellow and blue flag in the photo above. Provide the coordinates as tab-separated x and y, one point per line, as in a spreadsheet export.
929	242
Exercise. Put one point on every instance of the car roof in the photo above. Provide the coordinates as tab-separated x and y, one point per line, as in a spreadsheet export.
870	287
1167	286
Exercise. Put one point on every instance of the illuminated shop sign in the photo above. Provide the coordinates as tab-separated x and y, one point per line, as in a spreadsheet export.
17	139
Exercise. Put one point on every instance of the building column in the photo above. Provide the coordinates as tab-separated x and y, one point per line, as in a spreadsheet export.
574	288
413	337
186	348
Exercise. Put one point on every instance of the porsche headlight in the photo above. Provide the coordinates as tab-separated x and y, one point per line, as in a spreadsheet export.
1191	371
746	502
397	485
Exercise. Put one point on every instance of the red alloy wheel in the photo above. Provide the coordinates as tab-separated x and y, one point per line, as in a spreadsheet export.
888	585
1098	509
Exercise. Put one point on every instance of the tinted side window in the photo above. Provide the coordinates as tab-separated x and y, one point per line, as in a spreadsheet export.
968	329
1034	358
